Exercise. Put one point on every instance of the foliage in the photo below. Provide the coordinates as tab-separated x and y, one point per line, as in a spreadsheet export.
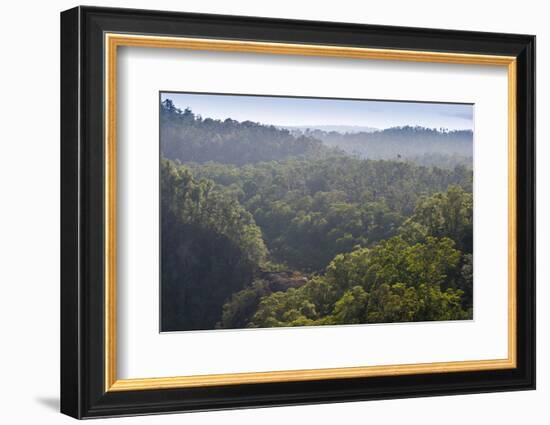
238	311
188	137
447	213
309	211
392	282
210	247
263	227
424	146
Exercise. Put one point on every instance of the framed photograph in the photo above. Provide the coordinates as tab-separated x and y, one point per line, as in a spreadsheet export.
261	212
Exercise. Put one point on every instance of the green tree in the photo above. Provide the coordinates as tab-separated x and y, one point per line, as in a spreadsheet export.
444	214
351	308
393	281
210	248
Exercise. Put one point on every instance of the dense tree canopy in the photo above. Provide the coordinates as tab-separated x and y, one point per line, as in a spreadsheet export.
424	146
188	137
311	210
210	248
393	281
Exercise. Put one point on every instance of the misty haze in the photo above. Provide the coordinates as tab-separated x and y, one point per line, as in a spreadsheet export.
286	211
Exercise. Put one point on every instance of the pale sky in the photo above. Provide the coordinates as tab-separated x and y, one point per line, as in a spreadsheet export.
289	111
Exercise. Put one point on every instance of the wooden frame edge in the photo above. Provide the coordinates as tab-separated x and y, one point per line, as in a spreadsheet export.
137	384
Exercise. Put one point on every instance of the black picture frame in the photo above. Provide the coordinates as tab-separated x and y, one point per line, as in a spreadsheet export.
83	392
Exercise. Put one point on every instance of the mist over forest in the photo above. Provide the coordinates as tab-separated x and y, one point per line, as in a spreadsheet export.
263	226
424	146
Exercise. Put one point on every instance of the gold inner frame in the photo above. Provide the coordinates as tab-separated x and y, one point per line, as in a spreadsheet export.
113	41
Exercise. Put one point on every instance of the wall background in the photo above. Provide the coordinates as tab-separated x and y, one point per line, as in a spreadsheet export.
29	209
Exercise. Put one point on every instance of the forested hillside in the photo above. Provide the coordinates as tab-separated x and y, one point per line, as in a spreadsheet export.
294	233
325	207
421	145
188	137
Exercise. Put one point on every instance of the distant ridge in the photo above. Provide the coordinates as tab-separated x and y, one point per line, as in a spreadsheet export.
425	146
336	128
191	138
187	137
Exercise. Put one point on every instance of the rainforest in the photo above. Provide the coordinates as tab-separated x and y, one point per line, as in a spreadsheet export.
266	226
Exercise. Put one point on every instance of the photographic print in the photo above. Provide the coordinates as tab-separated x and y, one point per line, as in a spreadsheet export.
291	211
299	195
